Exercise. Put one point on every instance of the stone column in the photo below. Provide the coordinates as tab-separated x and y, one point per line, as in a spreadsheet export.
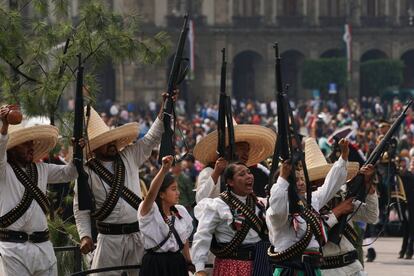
207	9
160	13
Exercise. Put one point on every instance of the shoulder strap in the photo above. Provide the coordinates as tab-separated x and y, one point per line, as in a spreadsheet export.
17	212
116	185
29	181
129	196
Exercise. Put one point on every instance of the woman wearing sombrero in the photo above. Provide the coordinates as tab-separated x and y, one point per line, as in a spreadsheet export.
114	181
25	248
297	238
253	144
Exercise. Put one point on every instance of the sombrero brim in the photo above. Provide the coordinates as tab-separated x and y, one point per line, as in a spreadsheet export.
44	138
261	141
123	135
320	172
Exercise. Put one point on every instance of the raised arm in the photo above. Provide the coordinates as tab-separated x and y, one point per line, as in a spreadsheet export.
4	111
156	184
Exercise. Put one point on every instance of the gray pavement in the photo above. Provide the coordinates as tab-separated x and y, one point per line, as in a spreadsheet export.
386	262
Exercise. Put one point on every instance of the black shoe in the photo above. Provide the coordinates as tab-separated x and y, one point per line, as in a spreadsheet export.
409	255
401	255
371	255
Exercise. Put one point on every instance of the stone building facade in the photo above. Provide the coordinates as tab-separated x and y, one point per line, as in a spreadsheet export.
304	29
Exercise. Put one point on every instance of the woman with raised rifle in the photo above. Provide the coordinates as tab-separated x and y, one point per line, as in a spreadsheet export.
297	238
233	227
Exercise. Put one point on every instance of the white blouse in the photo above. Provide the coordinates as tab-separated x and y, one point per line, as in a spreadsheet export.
154	229
214	217
281	233
206	188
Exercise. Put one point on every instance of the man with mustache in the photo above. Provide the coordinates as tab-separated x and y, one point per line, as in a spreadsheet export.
25	248
114	182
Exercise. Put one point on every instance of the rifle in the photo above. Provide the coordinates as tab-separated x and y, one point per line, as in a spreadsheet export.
176	76
355	186
225	115
284	149
84	191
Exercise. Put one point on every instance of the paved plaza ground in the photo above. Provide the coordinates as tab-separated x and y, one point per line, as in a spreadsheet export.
386	262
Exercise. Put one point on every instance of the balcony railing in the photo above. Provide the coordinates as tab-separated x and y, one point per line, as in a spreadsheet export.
291	21
374	21
331	21
247	21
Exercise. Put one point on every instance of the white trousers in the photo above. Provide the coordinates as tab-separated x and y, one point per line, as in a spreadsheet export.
118	250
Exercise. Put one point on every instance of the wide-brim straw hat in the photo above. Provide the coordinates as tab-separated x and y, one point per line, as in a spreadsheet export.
100	134
317	165
261	142
44	138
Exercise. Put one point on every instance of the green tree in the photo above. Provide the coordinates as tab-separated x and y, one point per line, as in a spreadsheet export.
377	75
38	52
317	74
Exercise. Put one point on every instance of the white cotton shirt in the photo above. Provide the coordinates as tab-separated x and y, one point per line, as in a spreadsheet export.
133	157
206	188
281	233
214	217
154	229
368	212
34	256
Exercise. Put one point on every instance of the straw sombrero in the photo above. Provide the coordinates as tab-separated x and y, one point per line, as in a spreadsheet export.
316	163
260	139
44	137
100	134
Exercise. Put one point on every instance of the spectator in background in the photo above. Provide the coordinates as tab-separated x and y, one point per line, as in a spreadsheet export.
185	186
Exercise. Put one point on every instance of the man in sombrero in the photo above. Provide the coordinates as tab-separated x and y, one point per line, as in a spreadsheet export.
253	144
114	182
25	248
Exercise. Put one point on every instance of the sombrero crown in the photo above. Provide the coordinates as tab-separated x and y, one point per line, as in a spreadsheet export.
261	142
44	138
317	165
100	134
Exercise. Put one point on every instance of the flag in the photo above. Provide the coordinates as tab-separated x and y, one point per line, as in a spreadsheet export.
347	37
190	75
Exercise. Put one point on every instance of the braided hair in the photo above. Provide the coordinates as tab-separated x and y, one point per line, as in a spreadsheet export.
167	182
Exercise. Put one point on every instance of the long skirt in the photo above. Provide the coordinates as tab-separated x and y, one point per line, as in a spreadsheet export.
231	267
163	264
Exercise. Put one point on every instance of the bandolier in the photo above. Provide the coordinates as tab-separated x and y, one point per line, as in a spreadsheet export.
116	182
32	192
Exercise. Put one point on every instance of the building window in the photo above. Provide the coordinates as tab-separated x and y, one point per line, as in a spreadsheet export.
247	8
290	7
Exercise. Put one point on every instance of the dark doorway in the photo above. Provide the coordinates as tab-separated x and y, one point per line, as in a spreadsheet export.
408	59
333	53
247	75
291	72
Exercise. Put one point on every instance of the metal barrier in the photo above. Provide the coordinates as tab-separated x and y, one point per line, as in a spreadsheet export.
77	255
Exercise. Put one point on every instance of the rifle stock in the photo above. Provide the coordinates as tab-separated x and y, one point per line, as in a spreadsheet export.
176	75
356	187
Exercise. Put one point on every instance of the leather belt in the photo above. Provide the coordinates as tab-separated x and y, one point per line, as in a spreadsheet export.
340	260
117	229
242	253
313	259
22	237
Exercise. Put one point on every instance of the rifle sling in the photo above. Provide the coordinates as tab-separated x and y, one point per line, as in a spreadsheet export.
116	182
32	191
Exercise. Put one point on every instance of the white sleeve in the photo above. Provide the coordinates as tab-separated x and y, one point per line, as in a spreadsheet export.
279	203
142	149
206	188
208	220
3	155
334	180
368	212
61	173
82	217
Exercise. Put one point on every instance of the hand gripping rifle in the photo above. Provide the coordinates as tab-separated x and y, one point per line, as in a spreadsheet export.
284	150
356	188
85	197
177	75
225	115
